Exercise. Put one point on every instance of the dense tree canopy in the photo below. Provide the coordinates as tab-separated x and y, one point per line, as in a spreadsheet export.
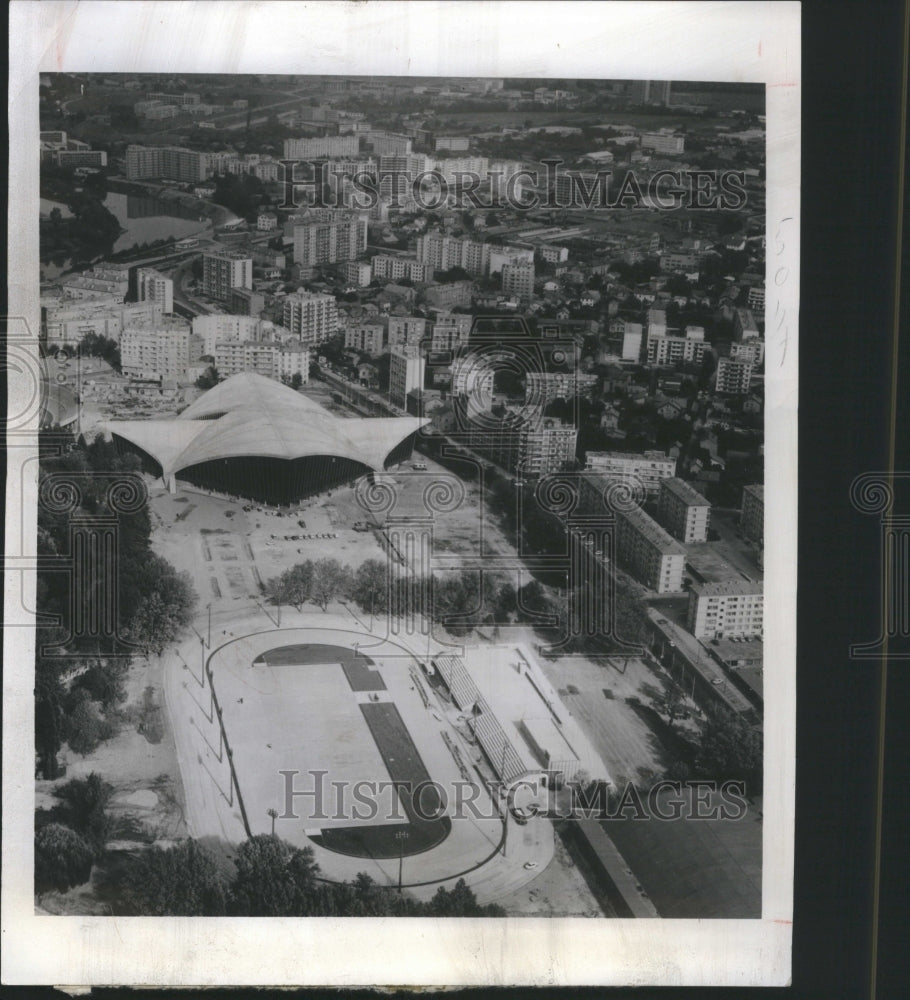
182	881
63	859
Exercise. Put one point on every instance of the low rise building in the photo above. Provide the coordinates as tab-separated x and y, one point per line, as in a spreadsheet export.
646	469
726	608
666	348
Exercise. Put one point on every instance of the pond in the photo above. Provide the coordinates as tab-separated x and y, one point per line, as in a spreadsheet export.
143	218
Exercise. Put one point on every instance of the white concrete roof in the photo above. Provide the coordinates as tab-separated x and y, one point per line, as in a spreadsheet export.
250	415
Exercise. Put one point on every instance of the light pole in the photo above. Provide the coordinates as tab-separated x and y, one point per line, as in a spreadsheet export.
401	837
273	813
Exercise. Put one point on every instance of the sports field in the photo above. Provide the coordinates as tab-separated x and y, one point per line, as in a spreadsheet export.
297	699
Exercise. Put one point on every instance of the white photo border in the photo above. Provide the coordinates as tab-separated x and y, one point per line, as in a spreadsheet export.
748	42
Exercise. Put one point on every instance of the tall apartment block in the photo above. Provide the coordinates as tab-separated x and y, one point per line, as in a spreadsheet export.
167	162
648	468
370	338
329	237
445	252
752	519
311	318
546	448
725	608
156	352
321	147
406	372
408	330
152	286
683	511
224	271
518	280
733	376
450	331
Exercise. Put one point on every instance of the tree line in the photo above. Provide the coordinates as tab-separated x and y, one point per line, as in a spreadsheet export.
268	877
79	679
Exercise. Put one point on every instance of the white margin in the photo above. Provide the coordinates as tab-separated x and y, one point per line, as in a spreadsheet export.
746	41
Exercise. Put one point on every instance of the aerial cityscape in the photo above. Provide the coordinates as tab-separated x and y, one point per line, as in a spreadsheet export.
400	509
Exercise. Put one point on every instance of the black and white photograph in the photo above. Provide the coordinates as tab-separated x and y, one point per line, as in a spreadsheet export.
395	462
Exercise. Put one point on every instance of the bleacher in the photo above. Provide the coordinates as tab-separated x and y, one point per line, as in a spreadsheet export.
503	757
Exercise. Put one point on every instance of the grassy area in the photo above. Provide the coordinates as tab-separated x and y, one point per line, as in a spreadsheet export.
406	768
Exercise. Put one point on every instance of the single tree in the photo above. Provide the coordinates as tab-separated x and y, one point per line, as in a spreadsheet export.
63	859
331	580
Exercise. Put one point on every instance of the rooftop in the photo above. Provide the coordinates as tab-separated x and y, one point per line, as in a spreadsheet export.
648	528
683	491
727	588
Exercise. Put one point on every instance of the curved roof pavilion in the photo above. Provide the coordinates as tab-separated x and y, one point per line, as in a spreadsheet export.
251	416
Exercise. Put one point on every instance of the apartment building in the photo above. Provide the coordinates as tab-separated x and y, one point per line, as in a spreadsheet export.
273	360
152	286
683	511
329	236
159	352
518	280
666	348
733	376
643	548
312	318
391	268
359	273
445	252
724	609
166	162
752	350
408	330
368	338
92	158
647	469
544	388
450	331
406	372
473	379
744	325
67	325
752	518
324	147
225	270
545	448
663	141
